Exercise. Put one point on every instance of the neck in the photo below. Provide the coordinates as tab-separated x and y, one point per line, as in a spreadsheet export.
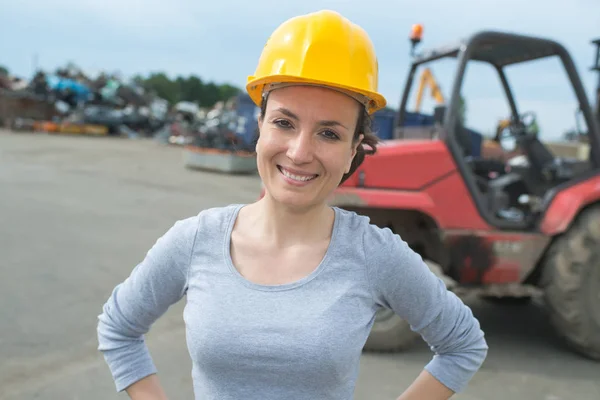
284	226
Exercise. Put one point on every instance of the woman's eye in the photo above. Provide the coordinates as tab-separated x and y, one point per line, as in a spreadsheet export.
282	123
330	135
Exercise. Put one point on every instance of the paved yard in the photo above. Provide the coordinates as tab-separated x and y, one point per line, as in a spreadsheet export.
76	214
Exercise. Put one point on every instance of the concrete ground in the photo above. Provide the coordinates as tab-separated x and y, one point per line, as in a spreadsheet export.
77	214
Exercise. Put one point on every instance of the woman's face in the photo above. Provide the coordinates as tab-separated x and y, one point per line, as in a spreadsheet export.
306	144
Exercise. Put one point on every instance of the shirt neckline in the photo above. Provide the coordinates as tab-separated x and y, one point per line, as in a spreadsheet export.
284	286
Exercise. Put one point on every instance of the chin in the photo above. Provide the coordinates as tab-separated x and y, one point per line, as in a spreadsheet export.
294	200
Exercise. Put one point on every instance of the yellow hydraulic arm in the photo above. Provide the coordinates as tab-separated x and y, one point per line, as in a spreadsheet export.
428	79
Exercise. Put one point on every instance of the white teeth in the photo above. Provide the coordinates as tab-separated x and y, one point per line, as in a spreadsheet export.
296	177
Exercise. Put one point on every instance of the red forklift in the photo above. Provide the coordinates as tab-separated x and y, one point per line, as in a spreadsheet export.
507	224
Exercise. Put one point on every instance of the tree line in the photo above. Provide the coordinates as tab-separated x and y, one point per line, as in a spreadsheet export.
190	88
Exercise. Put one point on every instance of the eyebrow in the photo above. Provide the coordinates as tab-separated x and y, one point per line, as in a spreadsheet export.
329	123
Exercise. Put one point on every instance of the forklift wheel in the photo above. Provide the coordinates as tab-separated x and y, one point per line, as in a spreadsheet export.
571	282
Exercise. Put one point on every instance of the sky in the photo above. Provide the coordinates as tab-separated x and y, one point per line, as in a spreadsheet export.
221	41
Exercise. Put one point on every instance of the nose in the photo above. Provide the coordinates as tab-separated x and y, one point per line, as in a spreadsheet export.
300	148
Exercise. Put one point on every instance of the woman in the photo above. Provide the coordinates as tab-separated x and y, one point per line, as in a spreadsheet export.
282	293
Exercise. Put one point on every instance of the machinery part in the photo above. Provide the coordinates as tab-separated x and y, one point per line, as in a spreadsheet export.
514	301
309	50
390	333
596	67
571	283
525	125
427	79
416	34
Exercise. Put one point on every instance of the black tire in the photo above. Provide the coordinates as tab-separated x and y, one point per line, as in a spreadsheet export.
571	283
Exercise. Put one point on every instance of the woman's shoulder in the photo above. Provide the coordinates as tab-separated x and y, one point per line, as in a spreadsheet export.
359	226
207	222
217	216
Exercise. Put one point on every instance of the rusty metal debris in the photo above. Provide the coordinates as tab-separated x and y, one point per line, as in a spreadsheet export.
69	102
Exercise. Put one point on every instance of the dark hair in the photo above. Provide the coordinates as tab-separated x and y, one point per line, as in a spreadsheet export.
363	126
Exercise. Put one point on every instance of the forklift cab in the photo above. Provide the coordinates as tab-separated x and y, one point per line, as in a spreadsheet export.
514	170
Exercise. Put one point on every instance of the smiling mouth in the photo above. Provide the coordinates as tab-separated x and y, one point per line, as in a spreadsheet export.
299	178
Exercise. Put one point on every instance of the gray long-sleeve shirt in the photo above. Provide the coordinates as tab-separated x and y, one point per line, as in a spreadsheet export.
300	340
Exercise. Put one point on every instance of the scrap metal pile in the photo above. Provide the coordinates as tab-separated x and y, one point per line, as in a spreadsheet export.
70	101
228	126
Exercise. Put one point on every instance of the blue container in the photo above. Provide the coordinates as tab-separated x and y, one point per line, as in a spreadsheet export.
383	124
384	120
418	119
246	108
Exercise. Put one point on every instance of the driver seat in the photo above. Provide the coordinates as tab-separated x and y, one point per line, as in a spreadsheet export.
538	154
543	164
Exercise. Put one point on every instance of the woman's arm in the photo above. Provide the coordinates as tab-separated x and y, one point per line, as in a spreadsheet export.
159	281
147	388
400	280
426	387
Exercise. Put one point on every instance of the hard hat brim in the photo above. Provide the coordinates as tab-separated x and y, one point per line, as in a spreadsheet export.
255	86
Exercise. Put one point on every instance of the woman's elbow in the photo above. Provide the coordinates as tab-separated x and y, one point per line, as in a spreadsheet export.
469	344
113	331
462	334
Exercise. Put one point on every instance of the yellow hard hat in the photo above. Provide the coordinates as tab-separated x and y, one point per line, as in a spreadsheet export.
321	48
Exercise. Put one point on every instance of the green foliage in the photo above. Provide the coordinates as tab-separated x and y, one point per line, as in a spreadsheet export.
3	70
191	88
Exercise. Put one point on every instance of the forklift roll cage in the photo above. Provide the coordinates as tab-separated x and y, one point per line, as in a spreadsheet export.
500	50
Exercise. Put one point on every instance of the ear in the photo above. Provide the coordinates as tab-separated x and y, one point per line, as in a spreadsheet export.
355	145
354	151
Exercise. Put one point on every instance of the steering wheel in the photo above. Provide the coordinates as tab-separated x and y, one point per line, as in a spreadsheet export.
529	123
524	126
